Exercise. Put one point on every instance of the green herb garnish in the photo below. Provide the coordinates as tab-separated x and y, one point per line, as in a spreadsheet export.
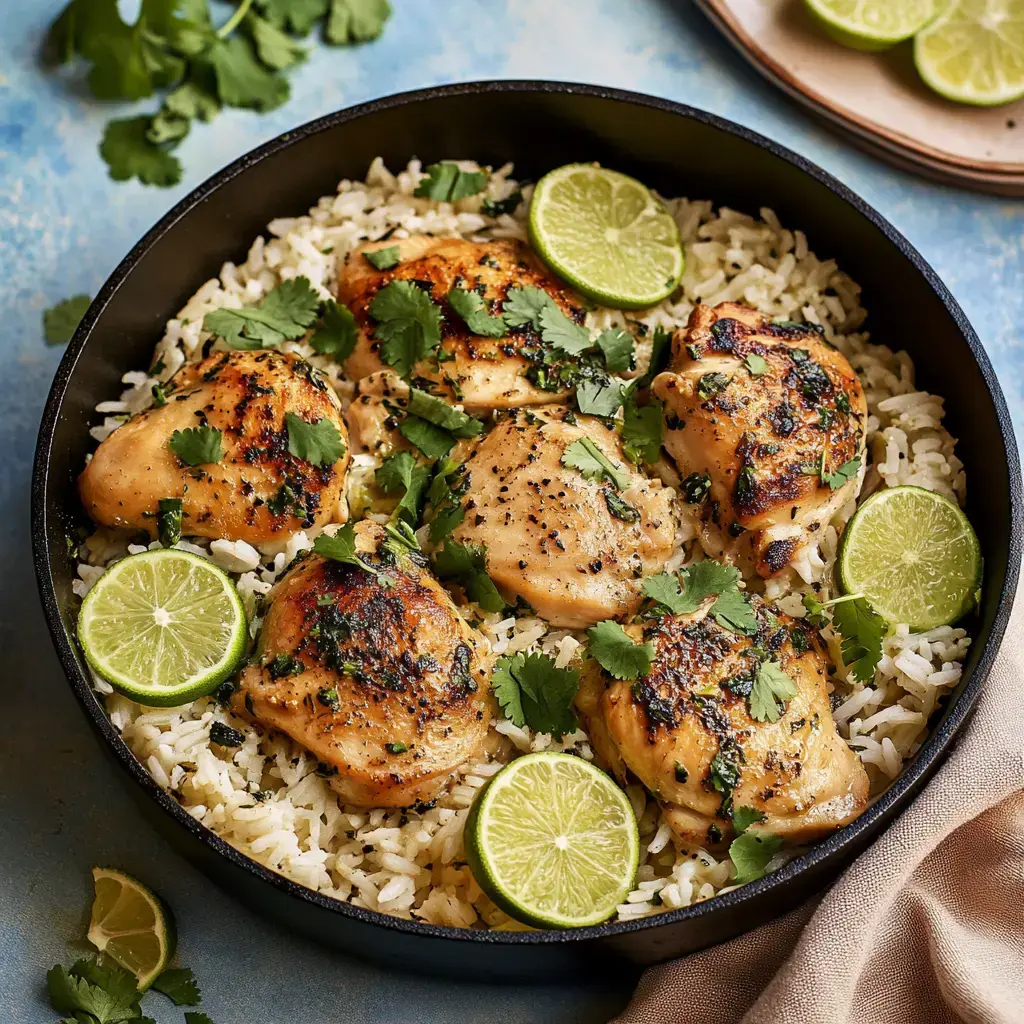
616	651
197	446
318	443
286	312
61	321
533	692
383	259
471	308
445	182
592	463
408	325
467	564
168	521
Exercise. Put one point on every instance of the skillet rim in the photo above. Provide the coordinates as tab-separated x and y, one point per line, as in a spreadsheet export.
734	901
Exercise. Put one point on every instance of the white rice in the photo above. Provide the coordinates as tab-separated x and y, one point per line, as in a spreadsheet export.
266	797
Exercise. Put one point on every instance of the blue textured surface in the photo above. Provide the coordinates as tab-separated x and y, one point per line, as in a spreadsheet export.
63	228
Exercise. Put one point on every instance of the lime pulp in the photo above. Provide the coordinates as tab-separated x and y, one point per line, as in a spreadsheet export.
871	24
163	627
606	234
913	554
553	841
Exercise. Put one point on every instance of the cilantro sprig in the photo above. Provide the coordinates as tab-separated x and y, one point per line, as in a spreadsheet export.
448	183
533	692
342	548
684	592
859	626
408	324
319	443
175	50
402	474
592	463
617	652
286	312
197	446
467	564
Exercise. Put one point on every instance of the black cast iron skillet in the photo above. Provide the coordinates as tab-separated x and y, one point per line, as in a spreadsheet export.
539	125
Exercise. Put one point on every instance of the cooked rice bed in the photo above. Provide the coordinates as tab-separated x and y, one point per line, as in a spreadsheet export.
266	797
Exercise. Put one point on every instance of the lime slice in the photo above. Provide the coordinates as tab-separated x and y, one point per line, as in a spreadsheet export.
553	841
131	925
871	24
913	554
163	627
607	235
973	52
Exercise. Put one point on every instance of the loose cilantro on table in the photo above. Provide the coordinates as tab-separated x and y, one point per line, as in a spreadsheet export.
408	325
61	321
197	446
751	853
847	471
286	312
592	463
533	692
168	521
319	443
860	627
448	183
616	651
467	564
641	427
175	49
616	346
771	685
471	308
197	1017
599	397
337	334
383	259
402	474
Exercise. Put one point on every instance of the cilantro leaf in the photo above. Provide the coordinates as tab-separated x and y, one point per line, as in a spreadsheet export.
433	441
664	590
61	321
274	48
383	259
751	853
533	692
585	456
408	324
179	985
401	473
467	563
470	306
733	611
445	520
771	685
197	1017
641	427
342	548
847	471
242	81
437	411
496	207
703	579
616	346
599	397
756	365
298	16
356	21
445	495
337	334
129	154
285	312
447	183
523	306
619	508
319	443
616	651
744	817
197	446
168	521
560	332
862	630
79	990
661	349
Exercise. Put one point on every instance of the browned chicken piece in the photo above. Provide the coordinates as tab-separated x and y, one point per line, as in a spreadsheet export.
758	415
685	730
258	491
382	681
573	548
482	373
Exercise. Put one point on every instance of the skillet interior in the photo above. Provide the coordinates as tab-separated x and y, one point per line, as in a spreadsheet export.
678	150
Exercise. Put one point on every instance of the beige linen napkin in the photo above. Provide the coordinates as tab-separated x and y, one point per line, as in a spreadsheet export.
926	927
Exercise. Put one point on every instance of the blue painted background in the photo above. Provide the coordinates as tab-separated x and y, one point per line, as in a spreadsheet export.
64	226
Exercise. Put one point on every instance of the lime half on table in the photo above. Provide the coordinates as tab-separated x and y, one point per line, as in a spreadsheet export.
973	52
913	554
131	925
871	24
163	627
553	841
607	234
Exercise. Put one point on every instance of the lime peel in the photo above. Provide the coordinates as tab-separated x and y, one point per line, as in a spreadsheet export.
871	24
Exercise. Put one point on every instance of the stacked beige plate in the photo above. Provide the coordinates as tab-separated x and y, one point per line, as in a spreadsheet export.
878	98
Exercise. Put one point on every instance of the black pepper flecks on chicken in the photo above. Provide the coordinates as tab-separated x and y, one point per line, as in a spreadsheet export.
482	373
685	730
574	549
258	491
380	679
757	415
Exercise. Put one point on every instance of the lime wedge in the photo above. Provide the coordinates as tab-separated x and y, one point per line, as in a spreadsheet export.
871	24
553	841
973	52
913	554
163	627
607	235
131	925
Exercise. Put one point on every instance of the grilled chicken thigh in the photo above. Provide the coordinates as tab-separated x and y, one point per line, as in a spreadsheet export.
381	681
258	491
686	732
759	415
483	373
573	548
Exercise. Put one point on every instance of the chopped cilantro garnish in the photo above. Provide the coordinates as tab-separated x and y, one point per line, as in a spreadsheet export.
396	748
447	183
757	365
467	563
383	259
471	308
619	508
285	312
90	991
337	334
616	651
437	411
432	441
585	456
496	207
616	346
711	384
61	321
535	306
401	474
342	548
724	770
847	471
734	612
599	397
224	736
168	521
179	985
744	817
533	692
408	324
319	443
696	487
661	349
751	853
771	685
197	446
861	628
